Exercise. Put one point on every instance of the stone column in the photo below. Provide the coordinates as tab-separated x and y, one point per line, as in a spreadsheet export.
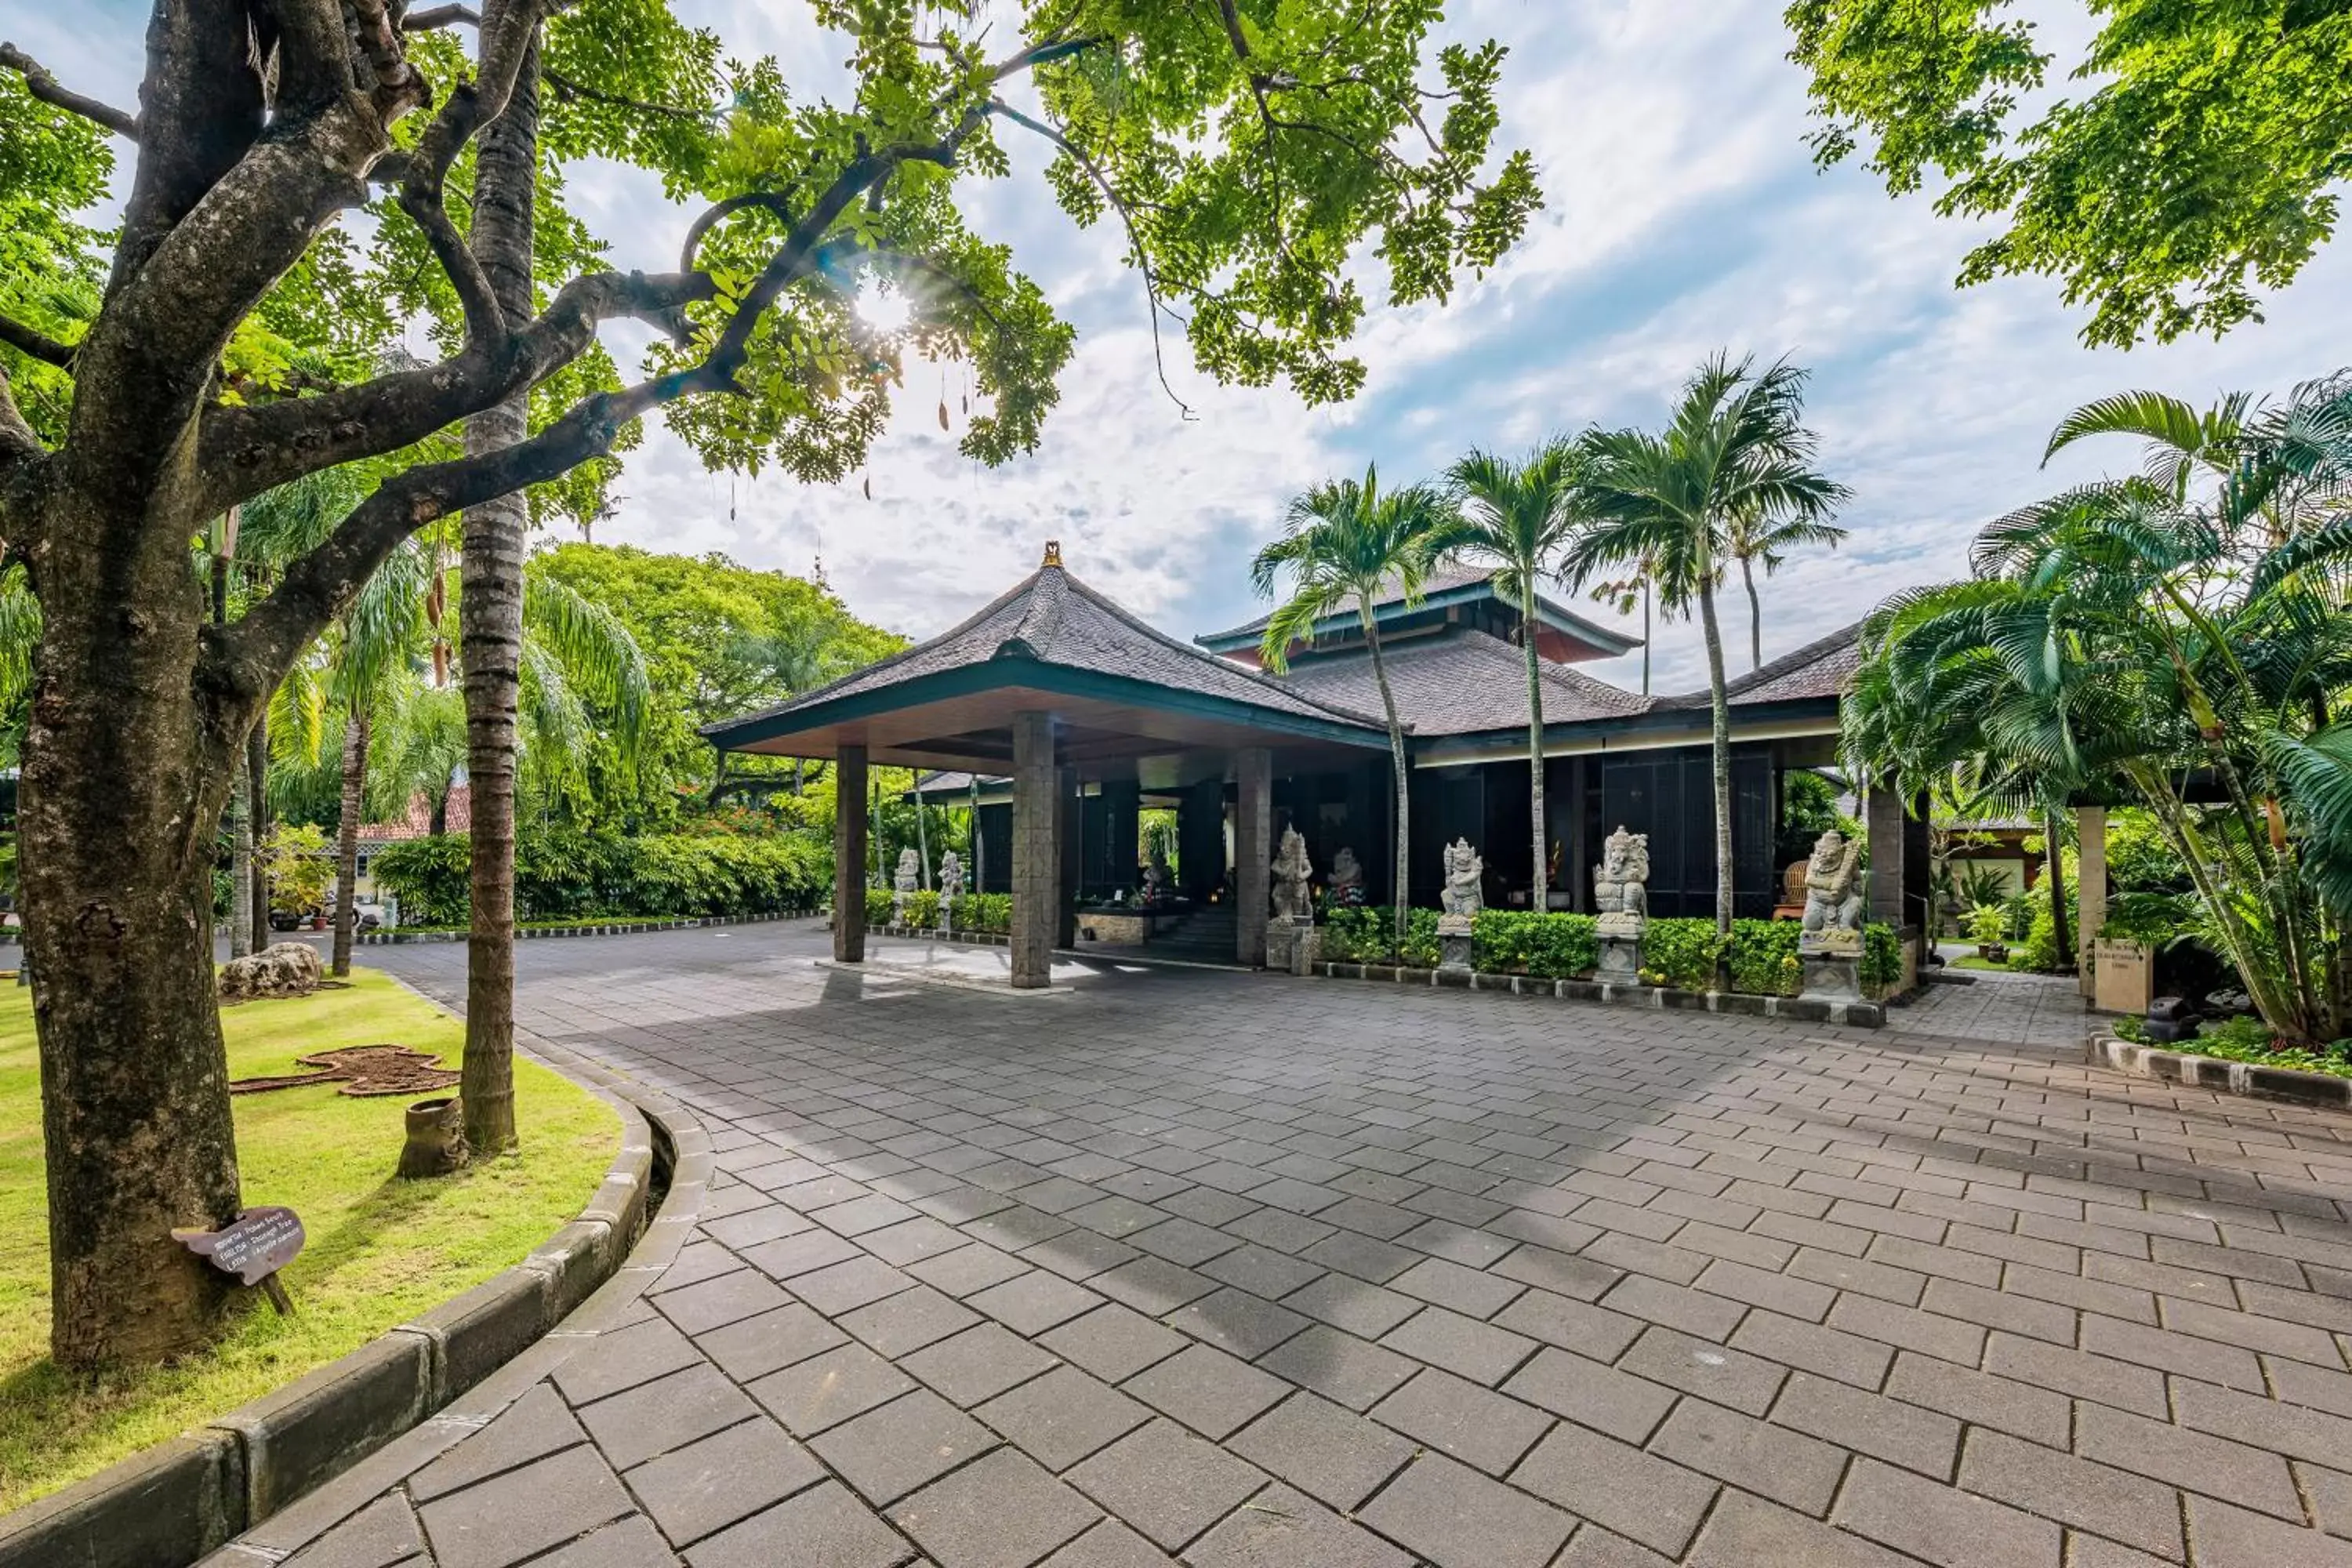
1882	815
1036	850
2090	887
849	855
1252	852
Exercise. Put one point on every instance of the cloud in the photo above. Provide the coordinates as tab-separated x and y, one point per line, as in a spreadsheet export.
1683	214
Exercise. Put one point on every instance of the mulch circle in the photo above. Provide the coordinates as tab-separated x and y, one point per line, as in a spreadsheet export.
364	1072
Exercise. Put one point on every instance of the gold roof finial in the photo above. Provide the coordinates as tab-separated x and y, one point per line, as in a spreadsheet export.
1053	554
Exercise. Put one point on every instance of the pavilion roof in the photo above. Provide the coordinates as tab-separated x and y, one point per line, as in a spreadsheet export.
1449	581
1822	668
1461	683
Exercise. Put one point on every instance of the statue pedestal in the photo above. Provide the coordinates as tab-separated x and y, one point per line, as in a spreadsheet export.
1831	976
1453	943
1291	945
1621	959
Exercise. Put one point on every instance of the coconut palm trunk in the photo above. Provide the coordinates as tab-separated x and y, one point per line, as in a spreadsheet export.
1755	615
1720	707
240	872
347	835
489	618
1396	761
257	818
1540	899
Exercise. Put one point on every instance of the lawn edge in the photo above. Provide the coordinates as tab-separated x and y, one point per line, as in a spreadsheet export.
280	1470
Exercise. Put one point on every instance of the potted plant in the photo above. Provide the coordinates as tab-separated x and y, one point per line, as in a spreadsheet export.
299	872
1989	928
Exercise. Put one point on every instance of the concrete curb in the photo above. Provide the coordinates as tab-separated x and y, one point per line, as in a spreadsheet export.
396	938
1859	1014
294	1463
2193	1071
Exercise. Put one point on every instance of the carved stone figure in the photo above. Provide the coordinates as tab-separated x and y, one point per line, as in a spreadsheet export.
950	884
1347	880
909	877
1620	884
1155	874
1292	902
1464	877
1832	920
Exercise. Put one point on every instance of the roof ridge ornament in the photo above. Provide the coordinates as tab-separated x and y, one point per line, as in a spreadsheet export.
1053	555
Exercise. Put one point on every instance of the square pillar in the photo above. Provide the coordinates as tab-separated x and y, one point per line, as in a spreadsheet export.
1122	804
1036	850
1883	815
849	855
1252	852
2090	886
1070	839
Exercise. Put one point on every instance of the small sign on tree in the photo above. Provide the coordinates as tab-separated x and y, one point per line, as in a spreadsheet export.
254	1246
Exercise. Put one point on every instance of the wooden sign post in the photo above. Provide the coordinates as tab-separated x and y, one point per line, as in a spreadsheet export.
254	1246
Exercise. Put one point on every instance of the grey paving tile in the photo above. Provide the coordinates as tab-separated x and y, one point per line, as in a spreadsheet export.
894	1449
1469	1291
1061	1417
845	1286
1206	1389
826	1390
999	1511
825	1527
669	1413
1456	1518
1340	1367
382	1536
1114	1342
528	1510
1035	1302
708	1485
1331	1454
1166	1483
533	1426
1234	1320
1281	1529
908	1321
1464	1346
624	1359
1110	1544
1945	1526
1152	1285
757	1346
631	1542
977	1364
1623	1488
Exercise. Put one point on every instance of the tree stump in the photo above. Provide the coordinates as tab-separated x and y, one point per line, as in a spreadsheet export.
436	1139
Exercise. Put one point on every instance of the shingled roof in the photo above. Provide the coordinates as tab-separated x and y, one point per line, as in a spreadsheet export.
1822	668
1449	578
1462	682
1051	617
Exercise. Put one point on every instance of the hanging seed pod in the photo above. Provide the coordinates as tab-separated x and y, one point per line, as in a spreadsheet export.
943	414
870	487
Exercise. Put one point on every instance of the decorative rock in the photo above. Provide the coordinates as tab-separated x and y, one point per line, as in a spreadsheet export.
1462	896
1291	901
1833	920
281	969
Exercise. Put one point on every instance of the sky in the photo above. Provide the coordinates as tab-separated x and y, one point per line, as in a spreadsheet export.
1682	216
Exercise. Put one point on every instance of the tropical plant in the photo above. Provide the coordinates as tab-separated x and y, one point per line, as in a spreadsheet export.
1346	546
1766	539
1623	595
1735	453
1987	925
1520	516
298	868
2119	635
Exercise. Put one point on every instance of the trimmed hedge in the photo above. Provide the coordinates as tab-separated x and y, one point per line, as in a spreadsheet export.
1365	935
571	876
1549	946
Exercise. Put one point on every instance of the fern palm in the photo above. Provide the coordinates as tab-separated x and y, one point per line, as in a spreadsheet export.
1347	545
1520	516
1735	449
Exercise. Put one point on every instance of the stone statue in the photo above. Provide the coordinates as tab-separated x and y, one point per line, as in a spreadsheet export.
1620	890
1347	880
908	877
1155	874
1292	902
950	884
1464	877
1832	921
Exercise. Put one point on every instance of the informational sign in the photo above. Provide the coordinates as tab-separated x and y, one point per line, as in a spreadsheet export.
254	1246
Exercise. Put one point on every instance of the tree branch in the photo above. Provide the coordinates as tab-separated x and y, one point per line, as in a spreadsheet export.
42	85
434	16
37	344
18	442
775	202
571	91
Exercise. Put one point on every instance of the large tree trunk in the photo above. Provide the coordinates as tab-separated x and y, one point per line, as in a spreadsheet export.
256	812
1538	900
1721	705
122	791
347	832
490	621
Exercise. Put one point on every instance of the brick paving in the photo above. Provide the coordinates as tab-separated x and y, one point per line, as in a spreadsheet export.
1240	1270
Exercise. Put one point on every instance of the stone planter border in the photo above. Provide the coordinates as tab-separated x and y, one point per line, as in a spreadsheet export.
295	1463
397	938
953	939
2192	1071
1861	1015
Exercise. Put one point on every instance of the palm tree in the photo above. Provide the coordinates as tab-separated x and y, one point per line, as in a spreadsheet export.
1520	516
1735	448
1624	595
375	644
1767	540
1346	545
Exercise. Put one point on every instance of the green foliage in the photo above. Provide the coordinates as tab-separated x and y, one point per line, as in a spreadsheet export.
2138	858
2131	1028
2151	919
1762	957
2199	161
879	904
2242	1032
1881	968
922	911
296	862
1987	925
2039	952
1682	953
982	912
561	874
1978	886
1557	946
1366	936
1421	948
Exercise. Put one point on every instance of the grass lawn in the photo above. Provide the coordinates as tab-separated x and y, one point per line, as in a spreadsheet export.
379	1250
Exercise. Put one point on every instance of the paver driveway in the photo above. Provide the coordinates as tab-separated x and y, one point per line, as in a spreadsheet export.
1250	1270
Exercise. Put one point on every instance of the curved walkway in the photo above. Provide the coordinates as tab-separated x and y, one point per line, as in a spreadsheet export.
1246	1271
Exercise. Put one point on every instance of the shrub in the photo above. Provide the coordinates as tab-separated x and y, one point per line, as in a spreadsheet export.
982	912
1881	969
1421	948
2151	919
1358	935
922	910
2039	952
878	904
1682	953
2132	1028
1762	957
1550	946
1987	925
2240	1033
571	876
